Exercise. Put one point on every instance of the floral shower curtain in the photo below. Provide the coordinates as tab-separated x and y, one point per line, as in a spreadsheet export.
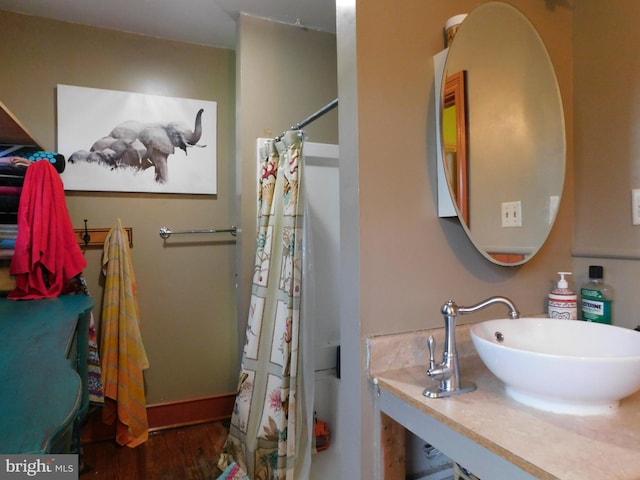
270	433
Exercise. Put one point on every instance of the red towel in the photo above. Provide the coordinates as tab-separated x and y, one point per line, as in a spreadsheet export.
47	254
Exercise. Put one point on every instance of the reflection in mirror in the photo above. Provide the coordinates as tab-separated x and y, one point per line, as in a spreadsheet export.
514	133
454	131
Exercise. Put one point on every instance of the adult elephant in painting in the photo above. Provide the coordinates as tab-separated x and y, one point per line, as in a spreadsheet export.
142	145
160	141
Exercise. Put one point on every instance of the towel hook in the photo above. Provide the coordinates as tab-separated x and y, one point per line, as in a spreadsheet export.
86	237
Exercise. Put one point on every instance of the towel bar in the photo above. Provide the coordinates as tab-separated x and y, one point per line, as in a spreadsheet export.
166	232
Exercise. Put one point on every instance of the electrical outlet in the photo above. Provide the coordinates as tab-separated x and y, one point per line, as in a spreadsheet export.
512	214
635	206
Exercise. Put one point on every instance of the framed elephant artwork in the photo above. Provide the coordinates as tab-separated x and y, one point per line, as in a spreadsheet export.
117	141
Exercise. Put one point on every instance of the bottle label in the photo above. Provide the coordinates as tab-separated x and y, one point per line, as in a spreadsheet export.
563	313
563	306
587	292
595	308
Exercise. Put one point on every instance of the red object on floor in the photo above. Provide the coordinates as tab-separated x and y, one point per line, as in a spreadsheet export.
322	435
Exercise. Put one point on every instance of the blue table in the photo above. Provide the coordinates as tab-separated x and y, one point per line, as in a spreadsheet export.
43	373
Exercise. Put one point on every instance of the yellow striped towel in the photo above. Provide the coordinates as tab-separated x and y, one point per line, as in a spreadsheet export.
123	354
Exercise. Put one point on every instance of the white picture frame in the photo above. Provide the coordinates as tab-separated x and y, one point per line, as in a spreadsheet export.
89	121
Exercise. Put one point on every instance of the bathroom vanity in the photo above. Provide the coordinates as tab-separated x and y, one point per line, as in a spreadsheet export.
43	373
486	431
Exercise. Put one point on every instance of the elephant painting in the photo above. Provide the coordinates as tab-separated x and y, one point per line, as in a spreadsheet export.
138	145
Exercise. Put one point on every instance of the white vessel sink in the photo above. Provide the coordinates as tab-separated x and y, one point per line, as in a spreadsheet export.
561	366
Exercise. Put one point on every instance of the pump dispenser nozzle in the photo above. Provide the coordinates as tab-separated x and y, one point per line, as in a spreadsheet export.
562	283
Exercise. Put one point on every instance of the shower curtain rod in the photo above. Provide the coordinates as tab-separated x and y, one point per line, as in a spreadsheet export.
311	118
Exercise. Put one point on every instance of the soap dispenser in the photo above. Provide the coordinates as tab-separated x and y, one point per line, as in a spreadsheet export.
563	302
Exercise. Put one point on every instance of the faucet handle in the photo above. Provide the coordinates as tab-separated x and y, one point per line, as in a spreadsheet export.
431	343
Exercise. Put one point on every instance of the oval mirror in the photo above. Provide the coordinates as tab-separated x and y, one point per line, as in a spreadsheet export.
503	133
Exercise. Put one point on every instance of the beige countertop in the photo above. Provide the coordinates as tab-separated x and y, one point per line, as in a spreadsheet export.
546	445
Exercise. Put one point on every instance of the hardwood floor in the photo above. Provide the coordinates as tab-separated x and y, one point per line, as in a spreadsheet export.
186	453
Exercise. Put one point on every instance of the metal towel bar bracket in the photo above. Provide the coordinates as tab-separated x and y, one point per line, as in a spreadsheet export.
166	232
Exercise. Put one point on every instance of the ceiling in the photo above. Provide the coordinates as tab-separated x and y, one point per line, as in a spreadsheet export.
203	22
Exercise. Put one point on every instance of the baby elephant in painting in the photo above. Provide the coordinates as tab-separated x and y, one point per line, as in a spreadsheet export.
141	145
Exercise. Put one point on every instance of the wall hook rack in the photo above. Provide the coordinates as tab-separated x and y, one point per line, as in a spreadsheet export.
95	237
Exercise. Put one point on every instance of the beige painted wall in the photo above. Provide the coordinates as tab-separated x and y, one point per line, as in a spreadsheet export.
284	74
411	261
187	287
607	146
428	259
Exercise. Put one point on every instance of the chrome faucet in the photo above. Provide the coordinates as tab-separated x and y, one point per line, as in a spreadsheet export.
448	372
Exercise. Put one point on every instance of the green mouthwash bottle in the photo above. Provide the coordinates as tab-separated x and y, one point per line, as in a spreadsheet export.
597	297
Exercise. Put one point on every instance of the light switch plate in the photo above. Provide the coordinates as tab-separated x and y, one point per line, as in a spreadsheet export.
512	214
635	206
554	203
